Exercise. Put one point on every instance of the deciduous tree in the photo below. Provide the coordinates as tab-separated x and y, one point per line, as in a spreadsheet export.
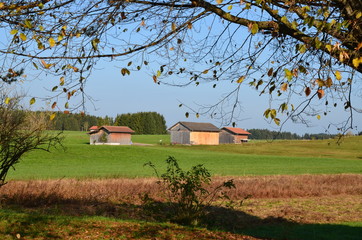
300	52
21	132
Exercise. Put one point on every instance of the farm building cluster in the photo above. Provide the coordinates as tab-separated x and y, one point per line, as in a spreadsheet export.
189	133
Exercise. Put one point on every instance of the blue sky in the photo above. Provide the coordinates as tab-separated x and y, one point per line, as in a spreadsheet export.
116	94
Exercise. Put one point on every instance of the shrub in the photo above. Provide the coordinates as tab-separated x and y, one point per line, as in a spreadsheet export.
186	191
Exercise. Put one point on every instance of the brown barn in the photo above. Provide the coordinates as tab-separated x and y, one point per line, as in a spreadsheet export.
194	133
111	135
233	135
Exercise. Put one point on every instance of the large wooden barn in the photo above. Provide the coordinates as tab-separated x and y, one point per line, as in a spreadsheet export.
111	135
194	133
233	135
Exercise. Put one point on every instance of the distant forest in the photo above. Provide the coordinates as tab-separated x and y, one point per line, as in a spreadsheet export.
141	123
154	123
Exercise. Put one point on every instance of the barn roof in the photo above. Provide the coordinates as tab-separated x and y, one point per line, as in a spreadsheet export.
117	129
198	127
236	131
112	129
93	128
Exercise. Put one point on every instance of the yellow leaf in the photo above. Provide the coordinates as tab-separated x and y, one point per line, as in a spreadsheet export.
254	28
173	26
51	42
230	7
28	24
241	79
23	36
7	100
284	87
219	1
318	117
61	81
338	75
329	47
32	101
277	121
356	62
14	31
46	65
205	71
52	116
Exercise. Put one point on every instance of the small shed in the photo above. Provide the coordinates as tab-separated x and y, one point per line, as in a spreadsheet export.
111	135
194	133
233	135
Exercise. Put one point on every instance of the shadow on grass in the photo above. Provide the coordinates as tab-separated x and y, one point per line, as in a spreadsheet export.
40	213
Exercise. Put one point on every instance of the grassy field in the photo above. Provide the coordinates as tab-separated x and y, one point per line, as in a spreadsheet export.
298	190
81	160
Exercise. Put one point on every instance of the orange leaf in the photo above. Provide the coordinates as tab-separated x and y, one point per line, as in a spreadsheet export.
320	93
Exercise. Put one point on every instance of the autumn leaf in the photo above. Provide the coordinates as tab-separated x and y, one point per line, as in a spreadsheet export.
46	65
51	42
307	91
318	117
32	101
284	87
173	26
52	116
23	37
154	78
254	28
7	100
338	75
270	72
320	93
277	121
329	82
241	79
54	105
14	31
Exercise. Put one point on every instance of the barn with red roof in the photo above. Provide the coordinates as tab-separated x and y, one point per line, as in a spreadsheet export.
233	135
111	135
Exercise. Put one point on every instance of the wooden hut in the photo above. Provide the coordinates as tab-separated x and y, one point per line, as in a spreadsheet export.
111	135
233	135
194	133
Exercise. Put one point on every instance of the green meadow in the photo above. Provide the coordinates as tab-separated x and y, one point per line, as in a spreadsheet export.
78	159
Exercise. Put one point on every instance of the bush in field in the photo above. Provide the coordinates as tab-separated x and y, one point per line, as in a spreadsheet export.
186	191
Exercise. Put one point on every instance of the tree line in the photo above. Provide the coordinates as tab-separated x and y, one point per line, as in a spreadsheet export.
263	134
141	123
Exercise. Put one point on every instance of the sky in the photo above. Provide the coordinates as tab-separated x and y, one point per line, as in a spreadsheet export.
116	94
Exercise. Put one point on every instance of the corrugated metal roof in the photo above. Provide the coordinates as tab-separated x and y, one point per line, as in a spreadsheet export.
238	131
117	129
200	127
